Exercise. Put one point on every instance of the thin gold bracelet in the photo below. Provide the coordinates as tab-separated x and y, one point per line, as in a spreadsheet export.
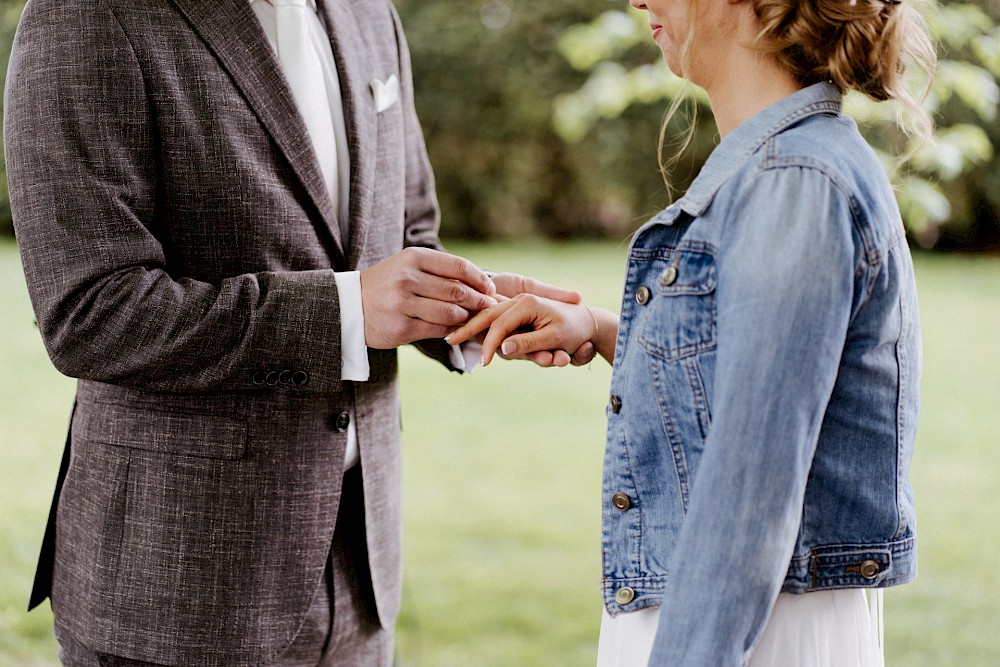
597	327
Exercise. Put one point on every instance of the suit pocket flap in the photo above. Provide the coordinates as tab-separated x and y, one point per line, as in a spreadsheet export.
168	429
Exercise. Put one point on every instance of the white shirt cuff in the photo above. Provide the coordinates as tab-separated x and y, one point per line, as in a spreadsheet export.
466	357
353	350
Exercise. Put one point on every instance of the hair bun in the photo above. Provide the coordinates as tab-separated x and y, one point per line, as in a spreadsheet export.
862	45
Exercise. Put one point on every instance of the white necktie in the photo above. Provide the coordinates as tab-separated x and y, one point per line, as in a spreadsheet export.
303	68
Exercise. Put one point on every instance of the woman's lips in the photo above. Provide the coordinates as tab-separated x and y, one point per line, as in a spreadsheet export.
657	29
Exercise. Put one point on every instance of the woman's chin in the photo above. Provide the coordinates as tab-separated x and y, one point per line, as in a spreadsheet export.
672	59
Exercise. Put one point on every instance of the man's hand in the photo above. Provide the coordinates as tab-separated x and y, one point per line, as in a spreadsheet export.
421	293
512	284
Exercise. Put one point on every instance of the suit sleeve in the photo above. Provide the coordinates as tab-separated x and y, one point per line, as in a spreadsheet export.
82	159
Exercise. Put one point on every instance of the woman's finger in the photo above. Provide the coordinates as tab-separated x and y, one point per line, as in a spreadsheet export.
480	322
503	326
522	344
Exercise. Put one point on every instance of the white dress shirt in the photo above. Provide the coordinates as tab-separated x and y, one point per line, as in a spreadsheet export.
336	176
334	162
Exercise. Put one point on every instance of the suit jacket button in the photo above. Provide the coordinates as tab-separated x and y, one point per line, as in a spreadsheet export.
341	422
621	501
285	377
259	377
300	378
271	378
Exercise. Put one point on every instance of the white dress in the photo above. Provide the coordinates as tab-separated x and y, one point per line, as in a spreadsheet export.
837	628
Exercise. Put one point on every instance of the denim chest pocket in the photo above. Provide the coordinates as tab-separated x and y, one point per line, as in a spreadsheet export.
678	318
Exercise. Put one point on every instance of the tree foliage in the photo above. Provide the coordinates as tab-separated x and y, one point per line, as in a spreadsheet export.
949	185
486	74
541	117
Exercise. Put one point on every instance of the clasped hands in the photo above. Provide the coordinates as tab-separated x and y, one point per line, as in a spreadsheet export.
421	293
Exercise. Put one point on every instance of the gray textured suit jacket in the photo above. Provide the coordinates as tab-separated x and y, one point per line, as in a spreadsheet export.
179	249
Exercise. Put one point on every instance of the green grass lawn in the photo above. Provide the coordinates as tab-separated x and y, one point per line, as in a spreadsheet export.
503	476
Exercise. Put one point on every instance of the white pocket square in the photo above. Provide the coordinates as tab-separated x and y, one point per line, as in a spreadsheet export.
386	93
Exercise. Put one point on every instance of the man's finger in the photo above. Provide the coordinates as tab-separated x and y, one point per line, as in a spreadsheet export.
512	284
457	268
538	288
438	313
584	354
560	358
543	359
431	286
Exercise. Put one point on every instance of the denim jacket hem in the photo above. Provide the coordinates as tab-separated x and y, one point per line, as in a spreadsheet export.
853	566
829	567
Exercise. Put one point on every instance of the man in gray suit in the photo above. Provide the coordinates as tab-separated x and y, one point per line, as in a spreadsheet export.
195	260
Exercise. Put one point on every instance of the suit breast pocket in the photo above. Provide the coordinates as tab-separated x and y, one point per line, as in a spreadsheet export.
391	144
679	319
213	427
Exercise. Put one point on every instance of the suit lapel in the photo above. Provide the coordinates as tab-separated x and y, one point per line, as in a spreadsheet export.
233	34
356	74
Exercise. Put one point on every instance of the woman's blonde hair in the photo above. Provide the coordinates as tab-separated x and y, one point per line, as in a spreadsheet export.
861	45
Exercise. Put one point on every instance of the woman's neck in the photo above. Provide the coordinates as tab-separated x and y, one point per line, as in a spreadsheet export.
740	96
740	80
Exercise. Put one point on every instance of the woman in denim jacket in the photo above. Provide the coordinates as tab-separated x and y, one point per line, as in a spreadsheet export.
765	387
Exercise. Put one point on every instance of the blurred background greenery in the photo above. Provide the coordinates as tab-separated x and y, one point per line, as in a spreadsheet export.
502	482
541	118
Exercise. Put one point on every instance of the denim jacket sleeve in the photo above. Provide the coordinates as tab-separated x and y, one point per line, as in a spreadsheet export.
786	278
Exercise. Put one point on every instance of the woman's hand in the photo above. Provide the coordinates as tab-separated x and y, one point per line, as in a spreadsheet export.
548	332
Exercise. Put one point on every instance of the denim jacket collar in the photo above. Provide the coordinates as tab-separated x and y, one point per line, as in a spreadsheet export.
737	147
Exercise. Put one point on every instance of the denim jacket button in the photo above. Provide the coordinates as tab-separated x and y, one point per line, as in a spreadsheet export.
642	295
621	501
669	276
870	569
624	595
616	404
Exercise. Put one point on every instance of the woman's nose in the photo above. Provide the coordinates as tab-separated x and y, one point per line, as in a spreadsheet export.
638	4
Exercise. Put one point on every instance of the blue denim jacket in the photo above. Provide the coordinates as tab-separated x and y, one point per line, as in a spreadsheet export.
765	390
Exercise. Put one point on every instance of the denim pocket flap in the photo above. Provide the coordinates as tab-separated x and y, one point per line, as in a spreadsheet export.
679	320
691	271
